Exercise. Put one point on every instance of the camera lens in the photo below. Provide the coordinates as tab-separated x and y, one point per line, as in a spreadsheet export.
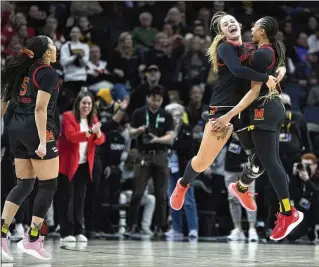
299	166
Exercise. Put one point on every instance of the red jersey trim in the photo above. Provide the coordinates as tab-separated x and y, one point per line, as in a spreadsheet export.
35	72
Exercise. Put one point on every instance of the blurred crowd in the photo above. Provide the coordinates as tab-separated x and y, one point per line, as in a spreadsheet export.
117	58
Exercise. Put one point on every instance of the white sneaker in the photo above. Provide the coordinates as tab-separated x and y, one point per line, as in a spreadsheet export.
236	235
252	235
173	234
146	231
81	238
18	233
69	238
193	234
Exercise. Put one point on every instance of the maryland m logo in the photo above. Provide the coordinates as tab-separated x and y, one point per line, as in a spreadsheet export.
259	114
49	136
213	110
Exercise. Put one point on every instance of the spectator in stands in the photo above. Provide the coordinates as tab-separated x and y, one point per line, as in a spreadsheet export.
301	48
36	17
194	66
98	76
235	158
199	31
80	134
138	97
304	190
195	106
168	28
13	48
89	34
163	56
313	61
313	41
173	96
290	39
205	17
313	96
74	57
144	35
181	6
50	29
179	154
125	62
10	28
312	25
22	34
174	17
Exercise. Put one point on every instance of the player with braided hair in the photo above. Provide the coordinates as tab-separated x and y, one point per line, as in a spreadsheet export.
31	83
228	55
266	115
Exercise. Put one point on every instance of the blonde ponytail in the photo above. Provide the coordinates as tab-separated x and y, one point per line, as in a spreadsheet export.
212	52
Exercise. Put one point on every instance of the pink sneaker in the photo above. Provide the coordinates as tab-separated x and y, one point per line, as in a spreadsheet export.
6	255
34	249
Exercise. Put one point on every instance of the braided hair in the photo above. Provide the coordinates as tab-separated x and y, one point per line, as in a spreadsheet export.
16	68
270	25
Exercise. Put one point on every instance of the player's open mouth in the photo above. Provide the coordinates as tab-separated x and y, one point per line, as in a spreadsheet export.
233	29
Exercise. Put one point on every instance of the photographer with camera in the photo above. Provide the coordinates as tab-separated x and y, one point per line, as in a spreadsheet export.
304	190
153	127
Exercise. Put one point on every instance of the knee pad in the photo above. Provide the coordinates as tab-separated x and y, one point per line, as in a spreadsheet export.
44	197
51	184
21	191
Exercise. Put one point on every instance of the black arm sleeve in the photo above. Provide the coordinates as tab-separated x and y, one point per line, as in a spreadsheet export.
261	60
228	54
47	79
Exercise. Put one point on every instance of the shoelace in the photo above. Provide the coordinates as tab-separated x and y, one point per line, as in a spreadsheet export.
280	221
250	194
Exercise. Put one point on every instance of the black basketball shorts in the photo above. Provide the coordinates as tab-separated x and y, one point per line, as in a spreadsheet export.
24	139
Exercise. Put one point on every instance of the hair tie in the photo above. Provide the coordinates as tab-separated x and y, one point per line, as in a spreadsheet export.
27	52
